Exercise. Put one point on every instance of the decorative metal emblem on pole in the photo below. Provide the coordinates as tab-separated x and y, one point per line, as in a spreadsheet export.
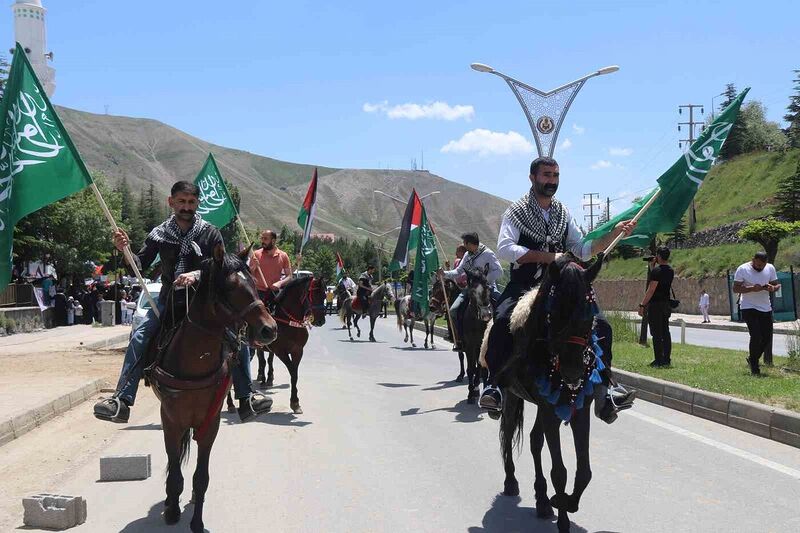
545	110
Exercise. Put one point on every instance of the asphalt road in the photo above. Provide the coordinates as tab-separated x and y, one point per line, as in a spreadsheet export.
387	443
735	340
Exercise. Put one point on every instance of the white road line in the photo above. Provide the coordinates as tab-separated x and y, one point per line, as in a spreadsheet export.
791	472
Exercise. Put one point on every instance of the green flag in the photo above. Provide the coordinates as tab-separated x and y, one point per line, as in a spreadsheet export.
39	164
426	264
216	206
678	185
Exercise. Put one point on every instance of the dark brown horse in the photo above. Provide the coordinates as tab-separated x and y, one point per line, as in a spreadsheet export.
192	375
553	366
438	305
300	303
476	316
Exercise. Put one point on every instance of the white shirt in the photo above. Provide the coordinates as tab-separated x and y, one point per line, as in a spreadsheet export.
480	261
349	284
509	250
704	300
749	278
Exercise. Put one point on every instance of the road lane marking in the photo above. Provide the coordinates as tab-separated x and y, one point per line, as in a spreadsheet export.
791	472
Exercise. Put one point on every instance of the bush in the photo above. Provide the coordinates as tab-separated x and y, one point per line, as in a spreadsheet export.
793	346
624	328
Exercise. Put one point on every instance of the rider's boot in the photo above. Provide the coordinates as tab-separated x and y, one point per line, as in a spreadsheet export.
255	404
491	399
113	409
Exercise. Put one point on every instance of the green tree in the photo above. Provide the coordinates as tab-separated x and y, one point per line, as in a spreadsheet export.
752	132
73	231
679	234
733	144
230	233
769	233
793	115
788	197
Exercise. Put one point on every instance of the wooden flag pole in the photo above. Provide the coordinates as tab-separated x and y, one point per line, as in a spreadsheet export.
641	212
127	250
450	323
252	253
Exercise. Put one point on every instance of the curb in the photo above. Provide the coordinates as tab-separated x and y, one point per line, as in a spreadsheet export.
105	343
765	421
19	425
718	327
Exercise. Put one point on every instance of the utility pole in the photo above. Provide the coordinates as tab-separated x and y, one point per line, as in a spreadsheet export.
608	208
691	124
591	205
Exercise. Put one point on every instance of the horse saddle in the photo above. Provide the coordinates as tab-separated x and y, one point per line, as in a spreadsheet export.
356	304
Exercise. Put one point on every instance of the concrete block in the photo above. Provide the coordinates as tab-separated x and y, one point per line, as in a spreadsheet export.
89	390
678	397
786	421
44	413
124	467
750	416
649	396
711	406
23	423
61	404
76	397
53	511
786	437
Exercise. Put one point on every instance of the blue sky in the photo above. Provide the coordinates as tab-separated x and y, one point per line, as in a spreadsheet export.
327	83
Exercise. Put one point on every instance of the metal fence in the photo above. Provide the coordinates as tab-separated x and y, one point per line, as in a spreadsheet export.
17	296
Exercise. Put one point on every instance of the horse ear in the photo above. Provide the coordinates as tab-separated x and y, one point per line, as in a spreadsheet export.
594	270
219	253
244	254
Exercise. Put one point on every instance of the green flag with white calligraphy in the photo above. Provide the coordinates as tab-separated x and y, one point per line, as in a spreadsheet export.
678	185
216	206
426	264
39	165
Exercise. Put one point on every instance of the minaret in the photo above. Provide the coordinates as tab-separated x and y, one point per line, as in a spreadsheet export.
29	31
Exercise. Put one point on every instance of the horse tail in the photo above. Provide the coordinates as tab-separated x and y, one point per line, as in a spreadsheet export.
186	442
511	425
397	313
343	311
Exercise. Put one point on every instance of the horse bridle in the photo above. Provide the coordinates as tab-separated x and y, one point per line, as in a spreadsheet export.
308	310
234	318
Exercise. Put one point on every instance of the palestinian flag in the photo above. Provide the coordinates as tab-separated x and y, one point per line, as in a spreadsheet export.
305	218
339	268
409	233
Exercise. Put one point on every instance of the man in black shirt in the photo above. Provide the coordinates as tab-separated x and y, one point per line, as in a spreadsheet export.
656	301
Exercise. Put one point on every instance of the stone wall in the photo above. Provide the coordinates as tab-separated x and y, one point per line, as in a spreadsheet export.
26	319
725	234
626	295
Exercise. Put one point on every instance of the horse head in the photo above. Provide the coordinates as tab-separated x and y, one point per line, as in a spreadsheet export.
567	301
479	295
232	295
302	301
317	296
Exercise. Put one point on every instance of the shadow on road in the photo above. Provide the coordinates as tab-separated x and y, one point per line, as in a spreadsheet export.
154	522
465	412
397	385
442	385
143	427
417	349
506	516
273	419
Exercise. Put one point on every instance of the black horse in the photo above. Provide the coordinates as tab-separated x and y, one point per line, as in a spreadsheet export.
476	316
556	365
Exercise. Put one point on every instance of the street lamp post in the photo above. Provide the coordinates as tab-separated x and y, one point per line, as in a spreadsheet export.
545	111
713	108
380	247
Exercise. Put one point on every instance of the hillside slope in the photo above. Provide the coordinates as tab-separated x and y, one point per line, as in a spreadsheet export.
145	151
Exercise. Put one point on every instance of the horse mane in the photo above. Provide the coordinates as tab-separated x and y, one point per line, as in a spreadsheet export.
212	276
294	282
378	288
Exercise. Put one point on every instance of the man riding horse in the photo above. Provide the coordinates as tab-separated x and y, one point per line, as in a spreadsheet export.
182	242
535	231
477	256
365	288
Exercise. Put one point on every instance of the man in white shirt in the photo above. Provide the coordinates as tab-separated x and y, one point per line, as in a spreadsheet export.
755	281
704	303
534	232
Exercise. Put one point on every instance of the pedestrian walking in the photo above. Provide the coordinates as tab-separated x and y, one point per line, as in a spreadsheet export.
703	304
657	303
754	281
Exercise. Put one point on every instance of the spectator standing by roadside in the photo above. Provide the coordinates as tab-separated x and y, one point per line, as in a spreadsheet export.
656	302
329	301
703	304
755	280
71	311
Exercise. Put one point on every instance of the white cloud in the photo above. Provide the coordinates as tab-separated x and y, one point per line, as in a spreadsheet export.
621	152
566	144
436	110
601	164
579	130
486	142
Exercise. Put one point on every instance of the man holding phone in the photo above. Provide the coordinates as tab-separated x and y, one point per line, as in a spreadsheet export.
755	281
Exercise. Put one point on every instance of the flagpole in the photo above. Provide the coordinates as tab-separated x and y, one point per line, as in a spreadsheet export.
450	323
127	250
641	212
252	253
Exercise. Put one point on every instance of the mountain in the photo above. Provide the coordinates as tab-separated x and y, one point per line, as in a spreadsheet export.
145	151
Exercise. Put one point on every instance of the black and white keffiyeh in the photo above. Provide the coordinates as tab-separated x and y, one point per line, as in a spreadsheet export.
170	233
526	215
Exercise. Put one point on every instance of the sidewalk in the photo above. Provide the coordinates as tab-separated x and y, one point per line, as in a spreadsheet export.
722	322
47	372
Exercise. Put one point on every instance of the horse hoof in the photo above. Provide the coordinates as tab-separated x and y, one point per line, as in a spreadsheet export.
560	502
172	515
413	345
511	488
544	510
471	399
358	334
296	409
460	378
572	504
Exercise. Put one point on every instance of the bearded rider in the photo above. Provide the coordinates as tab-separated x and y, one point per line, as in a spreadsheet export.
534	232
182	242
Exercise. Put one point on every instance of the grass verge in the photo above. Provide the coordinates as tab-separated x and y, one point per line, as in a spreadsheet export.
715	370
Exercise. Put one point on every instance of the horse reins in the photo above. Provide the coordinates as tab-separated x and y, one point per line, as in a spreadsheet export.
308	311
